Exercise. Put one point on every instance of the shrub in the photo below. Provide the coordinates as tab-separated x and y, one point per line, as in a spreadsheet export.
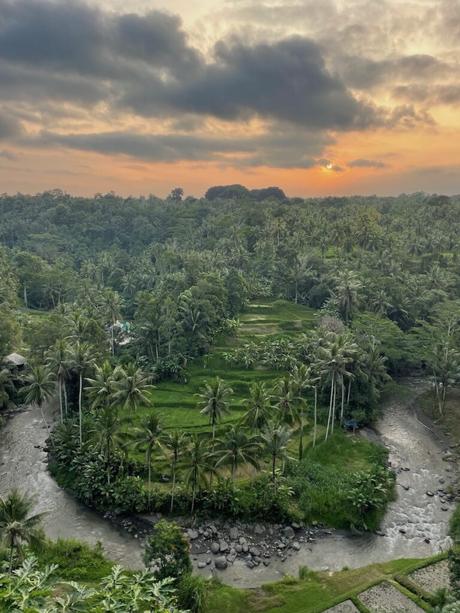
167	551
192	593
75	560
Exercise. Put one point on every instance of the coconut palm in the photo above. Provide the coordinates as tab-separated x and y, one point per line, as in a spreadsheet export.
113	304
236	447
17	524
101	387
347	293
174	444
57	361
214	402
198	466
81	359
107	433
132	387
275	439
334	359
287	401
259	407
148	437
39	388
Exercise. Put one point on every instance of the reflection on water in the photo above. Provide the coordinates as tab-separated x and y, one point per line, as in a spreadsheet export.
415	526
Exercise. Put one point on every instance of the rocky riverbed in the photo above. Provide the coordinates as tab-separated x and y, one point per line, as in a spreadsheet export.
416	524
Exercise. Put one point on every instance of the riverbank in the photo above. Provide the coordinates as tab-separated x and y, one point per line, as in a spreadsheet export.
415	526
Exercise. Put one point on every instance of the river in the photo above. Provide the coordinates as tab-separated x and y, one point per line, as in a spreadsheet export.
415	525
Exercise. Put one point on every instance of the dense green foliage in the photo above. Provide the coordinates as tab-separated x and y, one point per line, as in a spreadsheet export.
265	324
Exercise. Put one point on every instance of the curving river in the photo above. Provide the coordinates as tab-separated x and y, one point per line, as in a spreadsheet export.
416	525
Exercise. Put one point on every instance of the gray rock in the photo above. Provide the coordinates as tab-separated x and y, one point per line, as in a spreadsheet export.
238	548
223	546
221	563
289	532
296	546
255	551
201	564
234	534
245	548
192	534
259	529
215	547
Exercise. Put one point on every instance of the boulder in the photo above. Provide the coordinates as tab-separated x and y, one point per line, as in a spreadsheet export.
289	532
192	534
223	546
234	533
215	547
221	563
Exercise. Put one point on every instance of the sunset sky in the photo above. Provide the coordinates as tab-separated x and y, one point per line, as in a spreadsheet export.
318	97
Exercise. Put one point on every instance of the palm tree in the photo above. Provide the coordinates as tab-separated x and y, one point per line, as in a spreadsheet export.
148	436
175	444
258	407
56	359
287	401
214	402
40	386
81	359
347	293
17	524
107	431
131	387
275	439
198	466
236	448
101	388
113	305
333	361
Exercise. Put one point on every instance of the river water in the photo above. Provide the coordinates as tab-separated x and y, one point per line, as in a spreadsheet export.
411	519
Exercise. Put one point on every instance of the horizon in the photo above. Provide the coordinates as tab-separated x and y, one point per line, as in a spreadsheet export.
322	98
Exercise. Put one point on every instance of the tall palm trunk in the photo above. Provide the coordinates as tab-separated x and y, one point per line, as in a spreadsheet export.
334	404
315	416
60	398
330	408
149	474
80	392
342	400
173	486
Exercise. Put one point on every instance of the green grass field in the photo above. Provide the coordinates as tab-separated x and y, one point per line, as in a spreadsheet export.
316	591
176	403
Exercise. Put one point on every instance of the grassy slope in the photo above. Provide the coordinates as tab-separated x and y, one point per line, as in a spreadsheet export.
313	594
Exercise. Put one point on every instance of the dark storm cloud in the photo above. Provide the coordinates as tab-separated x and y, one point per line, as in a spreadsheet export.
286	80
146	64
363	163
278	148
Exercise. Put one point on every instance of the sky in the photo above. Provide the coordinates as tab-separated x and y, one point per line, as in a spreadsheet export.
318	97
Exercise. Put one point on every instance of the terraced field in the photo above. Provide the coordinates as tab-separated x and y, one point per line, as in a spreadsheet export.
176	402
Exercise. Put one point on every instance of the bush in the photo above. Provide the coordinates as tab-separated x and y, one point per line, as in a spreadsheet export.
167	551
76	561
192	593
